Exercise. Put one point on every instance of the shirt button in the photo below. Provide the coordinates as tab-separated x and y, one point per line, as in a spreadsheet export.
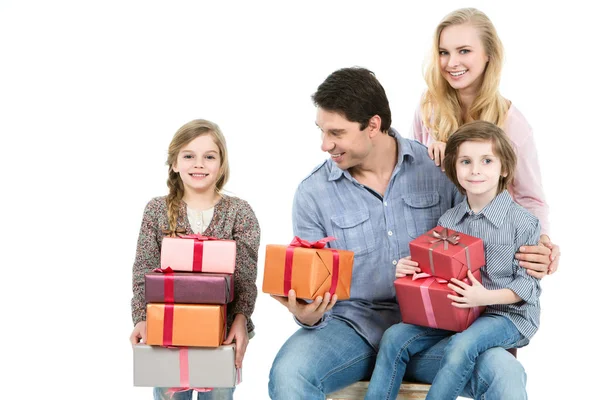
385	203
390	233
394	262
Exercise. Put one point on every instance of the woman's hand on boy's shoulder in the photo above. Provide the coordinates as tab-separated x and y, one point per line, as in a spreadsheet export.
554	255
437	152
536	259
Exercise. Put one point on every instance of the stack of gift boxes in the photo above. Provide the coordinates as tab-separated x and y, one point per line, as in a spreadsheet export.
442	254
309	268
186	316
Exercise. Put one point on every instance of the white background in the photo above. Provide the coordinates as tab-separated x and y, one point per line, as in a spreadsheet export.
92	92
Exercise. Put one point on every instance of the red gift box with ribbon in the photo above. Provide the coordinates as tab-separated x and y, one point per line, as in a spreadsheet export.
309	268
447	254
197	253
424	301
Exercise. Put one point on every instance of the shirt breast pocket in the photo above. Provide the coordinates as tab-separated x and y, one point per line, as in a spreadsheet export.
355	231
499	260
421	212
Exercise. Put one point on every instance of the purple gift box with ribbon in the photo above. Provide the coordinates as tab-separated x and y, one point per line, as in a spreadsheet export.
167	286
447	254
424	301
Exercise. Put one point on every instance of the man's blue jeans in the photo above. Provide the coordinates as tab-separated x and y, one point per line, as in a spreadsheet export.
314	362
216	394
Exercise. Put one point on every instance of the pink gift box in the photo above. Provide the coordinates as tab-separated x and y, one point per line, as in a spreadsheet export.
197	253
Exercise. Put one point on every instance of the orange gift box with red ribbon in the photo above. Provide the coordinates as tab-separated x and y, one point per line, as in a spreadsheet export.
447	254
202	325
309	268
424	301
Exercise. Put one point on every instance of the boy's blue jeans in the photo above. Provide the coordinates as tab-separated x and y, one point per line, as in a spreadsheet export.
402	342
314	362
461	354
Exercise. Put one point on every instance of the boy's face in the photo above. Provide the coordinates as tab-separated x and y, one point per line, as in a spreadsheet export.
347	144
478	170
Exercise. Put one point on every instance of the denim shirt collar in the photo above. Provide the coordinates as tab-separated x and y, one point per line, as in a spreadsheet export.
406	152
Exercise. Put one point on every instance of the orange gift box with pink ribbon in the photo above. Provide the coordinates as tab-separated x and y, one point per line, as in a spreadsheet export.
198	253
423	301
309	268
447	254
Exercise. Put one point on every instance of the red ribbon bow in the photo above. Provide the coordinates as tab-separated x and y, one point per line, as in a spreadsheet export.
319	244
444	237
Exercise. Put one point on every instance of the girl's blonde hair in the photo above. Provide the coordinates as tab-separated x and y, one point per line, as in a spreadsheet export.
182	137
440	106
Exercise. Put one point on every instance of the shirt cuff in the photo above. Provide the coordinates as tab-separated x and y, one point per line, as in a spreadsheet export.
524	288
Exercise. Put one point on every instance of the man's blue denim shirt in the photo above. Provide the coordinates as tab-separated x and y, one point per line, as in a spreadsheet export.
330	202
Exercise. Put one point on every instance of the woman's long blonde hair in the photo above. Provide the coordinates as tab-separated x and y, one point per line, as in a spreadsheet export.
182	137
440	106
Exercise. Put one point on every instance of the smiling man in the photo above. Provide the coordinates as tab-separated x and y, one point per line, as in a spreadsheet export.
375	193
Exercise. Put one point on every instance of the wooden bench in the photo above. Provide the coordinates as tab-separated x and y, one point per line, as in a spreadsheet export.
357	391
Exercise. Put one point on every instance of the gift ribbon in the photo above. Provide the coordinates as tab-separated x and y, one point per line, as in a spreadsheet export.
184	375
444	238
168	312
198	249
319	244
425	295
168	323
424	288
169	283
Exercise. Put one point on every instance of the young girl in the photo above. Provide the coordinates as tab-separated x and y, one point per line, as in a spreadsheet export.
481	162
198	171
462	85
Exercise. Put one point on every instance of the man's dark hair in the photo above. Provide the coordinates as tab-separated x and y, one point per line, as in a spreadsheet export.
356	94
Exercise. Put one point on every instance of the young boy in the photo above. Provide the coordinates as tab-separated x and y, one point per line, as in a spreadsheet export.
481	162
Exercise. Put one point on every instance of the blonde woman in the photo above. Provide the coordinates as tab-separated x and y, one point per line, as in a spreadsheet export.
463	77
198	171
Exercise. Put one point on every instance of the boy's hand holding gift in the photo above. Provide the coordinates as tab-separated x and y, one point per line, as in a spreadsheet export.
474	295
